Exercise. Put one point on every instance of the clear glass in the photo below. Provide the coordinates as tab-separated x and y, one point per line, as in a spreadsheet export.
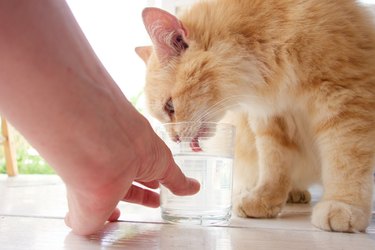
205	152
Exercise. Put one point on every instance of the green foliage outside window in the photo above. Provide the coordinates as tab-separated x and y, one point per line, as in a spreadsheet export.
28	160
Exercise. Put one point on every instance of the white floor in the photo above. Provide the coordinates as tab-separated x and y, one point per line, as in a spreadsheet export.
32	209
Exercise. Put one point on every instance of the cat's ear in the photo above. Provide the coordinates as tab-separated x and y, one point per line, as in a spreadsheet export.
167	33
144	52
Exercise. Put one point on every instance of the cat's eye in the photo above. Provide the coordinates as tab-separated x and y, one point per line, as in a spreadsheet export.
169	108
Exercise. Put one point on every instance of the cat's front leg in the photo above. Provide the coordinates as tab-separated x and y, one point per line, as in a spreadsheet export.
246	161
347	153
276	147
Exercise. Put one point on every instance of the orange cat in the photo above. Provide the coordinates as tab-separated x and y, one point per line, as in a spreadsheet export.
297	77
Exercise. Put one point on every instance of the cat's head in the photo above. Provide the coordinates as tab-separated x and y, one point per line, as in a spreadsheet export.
191	75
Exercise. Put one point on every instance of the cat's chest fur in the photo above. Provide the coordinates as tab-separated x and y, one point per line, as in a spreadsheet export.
283	95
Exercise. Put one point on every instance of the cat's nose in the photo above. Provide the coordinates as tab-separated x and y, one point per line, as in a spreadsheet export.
176	138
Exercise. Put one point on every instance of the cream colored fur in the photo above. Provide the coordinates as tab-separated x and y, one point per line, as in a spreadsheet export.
297	78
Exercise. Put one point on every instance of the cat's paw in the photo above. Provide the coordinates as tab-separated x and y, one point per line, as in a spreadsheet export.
339	217
237	203
254	205
298	196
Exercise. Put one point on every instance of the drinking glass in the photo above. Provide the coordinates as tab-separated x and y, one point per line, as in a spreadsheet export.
205	152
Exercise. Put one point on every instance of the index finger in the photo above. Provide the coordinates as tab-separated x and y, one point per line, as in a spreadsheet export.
177	182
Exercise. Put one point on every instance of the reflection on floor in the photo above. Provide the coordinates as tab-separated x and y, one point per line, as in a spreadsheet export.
32	210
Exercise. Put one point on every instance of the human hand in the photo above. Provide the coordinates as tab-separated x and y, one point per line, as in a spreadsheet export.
90	209
59	96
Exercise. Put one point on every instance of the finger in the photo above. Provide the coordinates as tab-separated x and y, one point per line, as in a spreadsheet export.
115	215
87	217
83	227
142	196
150	184
178	183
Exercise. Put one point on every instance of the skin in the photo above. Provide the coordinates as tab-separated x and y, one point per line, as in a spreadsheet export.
56	92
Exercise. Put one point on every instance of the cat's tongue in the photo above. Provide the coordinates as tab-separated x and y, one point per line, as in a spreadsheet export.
194	144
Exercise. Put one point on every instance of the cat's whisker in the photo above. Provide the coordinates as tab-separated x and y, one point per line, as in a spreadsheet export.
199	114
208	115
229	99
211	114
203	113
